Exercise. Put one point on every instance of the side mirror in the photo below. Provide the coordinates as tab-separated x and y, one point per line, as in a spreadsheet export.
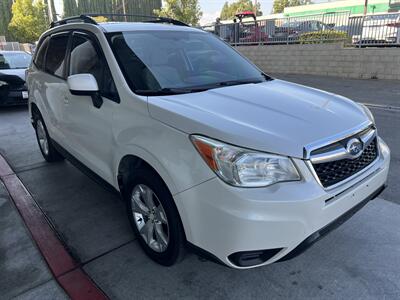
85	85
82	84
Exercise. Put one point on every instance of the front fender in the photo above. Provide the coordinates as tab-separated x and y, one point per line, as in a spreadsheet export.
168	150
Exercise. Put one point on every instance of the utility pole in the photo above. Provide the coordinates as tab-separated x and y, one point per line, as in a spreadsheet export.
365	7
124	9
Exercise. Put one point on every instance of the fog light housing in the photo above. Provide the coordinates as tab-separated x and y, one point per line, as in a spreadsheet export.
252	258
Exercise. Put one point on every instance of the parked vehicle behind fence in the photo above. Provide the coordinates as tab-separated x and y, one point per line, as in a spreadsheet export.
291	31
379	30
372	30
252	33
249	32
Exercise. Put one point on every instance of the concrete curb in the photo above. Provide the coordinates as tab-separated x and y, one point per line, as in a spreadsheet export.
66	271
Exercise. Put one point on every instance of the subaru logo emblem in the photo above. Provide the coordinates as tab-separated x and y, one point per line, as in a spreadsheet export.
354	148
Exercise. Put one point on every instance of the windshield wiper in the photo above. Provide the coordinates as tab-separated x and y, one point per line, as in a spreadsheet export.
169	91
196	89
220	84
238	82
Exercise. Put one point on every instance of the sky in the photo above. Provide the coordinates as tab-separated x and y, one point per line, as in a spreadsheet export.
211	8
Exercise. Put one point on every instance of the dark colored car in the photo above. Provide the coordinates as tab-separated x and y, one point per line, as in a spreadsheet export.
13	90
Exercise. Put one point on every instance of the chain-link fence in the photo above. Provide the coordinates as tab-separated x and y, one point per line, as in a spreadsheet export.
377	29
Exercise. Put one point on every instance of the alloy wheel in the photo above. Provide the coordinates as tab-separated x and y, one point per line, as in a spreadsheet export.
150	218
42	137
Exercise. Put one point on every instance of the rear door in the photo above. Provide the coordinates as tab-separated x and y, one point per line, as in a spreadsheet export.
90	128
51	86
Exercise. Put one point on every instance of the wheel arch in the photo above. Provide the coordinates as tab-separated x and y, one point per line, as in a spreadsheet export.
129	162
34	111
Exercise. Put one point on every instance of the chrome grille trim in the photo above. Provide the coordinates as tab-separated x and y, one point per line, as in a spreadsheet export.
335	138
366	134
340	152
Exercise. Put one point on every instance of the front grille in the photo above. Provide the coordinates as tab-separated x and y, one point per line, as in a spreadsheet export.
330	173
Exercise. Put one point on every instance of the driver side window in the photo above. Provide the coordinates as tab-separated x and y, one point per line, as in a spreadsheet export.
86	58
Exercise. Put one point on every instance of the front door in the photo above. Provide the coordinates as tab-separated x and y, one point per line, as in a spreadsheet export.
89	127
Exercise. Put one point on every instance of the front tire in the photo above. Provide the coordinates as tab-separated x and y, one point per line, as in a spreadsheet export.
49	152
154	218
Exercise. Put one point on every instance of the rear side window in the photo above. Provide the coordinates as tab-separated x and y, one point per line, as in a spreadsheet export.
40	54
56	54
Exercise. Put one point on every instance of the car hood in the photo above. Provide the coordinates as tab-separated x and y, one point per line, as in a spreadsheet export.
17	72
273	116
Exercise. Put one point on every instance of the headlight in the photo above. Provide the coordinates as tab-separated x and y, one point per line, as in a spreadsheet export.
243	167
368	112
3	83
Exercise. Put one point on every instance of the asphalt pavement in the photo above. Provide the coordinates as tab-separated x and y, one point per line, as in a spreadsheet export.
359	260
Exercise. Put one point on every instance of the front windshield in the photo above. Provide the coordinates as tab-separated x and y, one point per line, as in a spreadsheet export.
166	60
14	60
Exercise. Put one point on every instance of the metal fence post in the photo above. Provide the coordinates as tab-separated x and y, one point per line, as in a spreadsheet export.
361	34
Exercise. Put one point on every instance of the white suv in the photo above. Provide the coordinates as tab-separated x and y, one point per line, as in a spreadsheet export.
205	148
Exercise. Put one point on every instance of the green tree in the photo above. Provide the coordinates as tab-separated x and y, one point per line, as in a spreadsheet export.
140	7
70	8
28	20
94	6
5	18
229	11
187	11
279	5
225	12
83	7
50	10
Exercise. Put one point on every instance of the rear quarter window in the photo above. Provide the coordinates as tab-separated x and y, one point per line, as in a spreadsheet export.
56	54
40	53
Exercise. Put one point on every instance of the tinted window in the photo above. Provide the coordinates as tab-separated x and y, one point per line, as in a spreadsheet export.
14	60
40	53
87	59
55	56
153	60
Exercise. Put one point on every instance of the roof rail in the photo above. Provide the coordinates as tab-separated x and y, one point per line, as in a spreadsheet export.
88	18
153	19
80	19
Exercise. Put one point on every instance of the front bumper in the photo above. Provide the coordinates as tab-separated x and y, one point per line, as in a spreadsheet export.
9	97
225	220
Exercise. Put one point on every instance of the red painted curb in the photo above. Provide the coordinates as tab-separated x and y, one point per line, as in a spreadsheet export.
67	272
56	256
79	286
